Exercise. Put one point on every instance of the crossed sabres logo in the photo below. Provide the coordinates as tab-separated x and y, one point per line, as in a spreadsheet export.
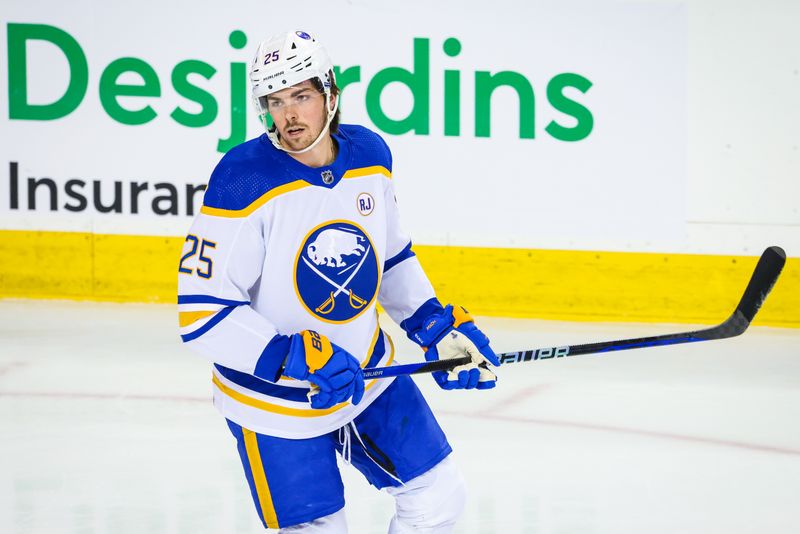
336	272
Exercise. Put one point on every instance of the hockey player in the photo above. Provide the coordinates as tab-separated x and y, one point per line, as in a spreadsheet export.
297	240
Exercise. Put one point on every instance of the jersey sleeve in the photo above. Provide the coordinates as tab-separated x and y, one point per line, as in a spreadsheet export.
404	288
221	262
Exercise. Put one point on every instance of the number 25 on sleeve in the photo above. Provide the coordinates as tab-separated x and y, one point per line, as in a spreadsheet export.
201	258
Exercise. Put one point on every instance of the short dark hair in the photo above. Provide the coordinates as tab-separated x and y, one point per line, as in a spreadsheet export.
335	92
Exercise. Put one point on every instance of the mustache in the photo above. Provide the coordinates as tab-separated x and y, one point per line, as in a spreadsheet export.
294	125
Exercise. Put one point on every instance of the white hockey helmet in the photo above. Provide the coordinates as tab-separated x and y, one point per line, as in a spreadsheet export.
283	61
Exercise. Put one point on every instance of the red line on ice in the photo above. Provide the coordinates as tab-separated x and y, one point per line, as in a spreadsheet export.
624	430
104	396
521	395
473	415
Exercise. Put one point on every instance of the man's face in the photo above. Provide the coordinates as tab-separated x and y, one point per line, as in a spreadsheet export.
299	114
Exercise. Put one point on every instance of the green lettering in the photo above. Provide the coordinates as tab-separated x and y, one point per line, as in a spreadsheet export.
110	90
452	91
417	81
485	84
555	95
208	104
346	77
238	108
237	40
18	107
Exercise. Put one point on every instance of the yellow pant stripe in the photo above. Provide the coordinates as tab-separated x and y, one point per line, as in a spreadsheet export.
260	479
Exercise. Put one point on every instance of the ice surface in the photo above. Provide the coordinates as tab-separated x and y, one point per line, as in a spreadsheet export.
106	425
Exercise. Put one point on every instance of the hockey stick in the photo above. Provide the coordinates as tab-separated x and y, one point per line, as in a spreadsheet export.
764	277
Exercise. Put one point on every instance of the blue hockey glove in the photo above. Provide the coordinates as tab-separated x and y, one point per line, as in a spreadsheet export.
334	373
452	333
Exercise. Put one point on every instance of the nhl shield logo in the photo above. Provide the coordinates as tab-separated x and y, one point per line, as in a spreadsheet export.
327	177
336	272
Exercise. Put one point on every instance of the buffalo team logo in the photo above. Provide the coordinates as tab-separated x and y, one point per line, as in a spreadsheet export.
365	203
336	271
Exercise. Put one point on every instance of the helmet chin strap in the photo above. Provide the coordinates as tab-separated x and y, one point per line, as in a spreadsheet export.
322	134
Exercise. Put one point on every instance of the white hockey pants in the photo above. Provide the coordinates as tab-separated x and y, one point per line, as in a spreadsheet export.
428	504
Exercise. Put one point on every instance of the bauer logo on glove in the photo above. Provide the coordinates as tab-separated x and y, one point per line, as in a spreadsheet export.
334	373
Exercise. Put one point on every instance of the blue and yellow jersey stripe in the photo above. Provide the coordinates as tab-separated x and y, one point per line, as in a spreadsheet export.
288	188
197	314
291	400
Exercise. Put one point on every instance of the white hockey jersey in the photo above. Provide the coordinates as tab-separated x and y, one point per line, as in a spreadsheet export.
279	247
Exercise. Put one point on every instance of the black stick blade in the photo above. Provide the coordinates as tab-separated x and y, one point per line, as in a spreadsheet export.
764	277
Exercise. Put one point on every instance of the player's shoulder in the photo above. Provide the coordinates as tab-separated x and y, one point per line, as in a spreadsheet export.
369	148
245	173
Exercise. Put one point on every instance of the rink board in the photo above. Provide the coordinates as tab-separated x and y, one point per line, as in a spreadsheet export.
547	284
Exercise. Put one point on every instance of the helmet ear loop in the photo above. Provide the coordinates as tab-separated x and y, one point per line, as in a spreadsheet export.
331	112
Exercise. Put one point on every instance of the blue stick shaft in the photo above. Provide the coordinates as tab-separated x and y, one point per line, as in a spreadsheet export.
414	368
